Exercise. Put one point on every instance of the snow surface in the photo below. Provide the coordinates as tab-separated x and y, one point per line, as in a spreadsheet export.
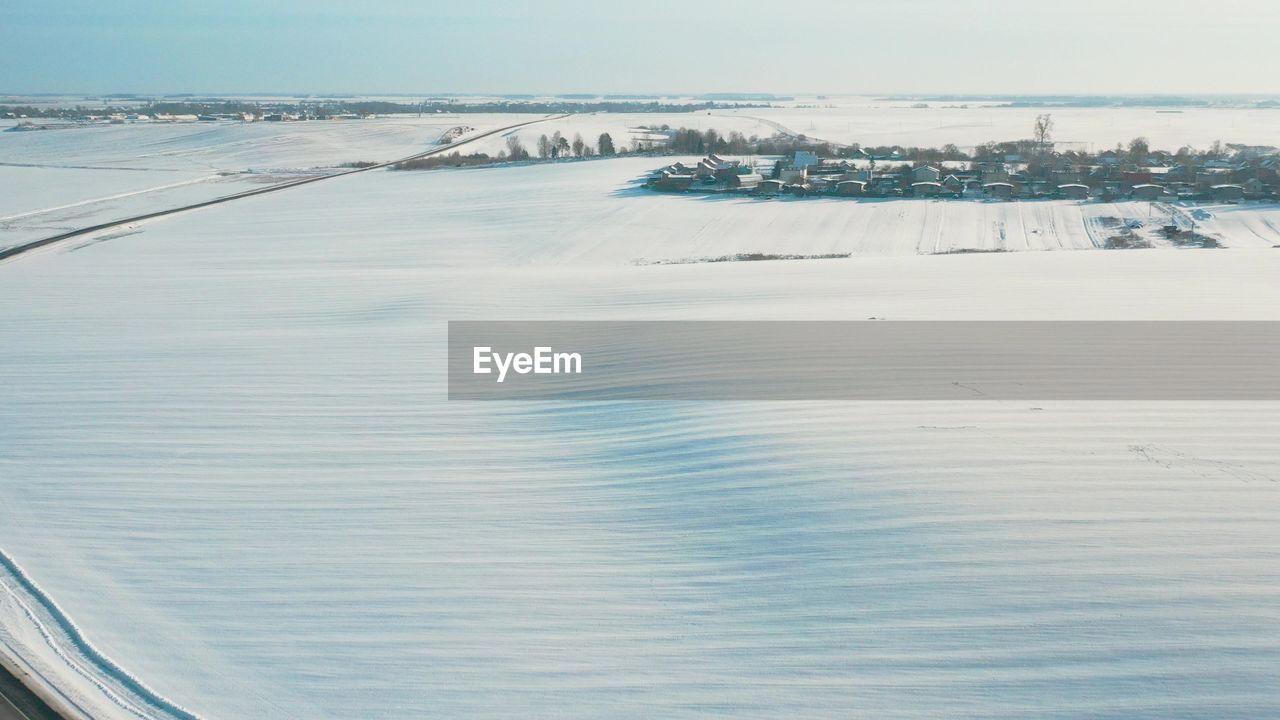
229	459
876	122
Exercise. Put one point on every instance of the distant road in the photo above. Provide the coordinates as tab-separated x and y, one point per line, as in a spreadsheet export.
34	244
779	128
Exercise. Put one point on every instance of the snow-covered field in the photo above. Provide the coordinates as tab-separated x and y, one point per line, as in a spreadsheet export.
77	175
229	460
876	122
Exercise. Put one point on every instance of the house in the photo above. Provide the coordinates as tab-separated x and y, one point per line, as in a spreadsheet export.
926	173
851	188
820	184
747	181
953	185
769	187
669	182
926	188
1228	193
998	190
1147	191
803	159
993	171
885	185
1074	191
1137	177
792	176
1069	176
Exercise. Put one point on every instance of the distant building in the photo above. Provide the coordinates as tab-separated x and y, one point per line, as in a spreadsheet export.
1137	177
998	190
851	188
748	181
1074	191
1147	191
769	187
1228	193
993	171
803	159
792	176
926	188
670	182
926	173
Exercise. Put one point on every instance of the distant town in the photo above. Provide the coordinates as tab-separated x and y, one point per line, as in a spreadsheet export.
1024	169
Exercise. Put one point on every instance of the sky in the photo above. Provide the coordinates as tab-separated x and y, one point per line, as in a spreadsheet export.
640	46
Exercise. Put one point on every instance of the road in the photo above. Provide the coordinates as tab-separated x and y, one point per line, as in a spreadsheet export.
19	703
42	242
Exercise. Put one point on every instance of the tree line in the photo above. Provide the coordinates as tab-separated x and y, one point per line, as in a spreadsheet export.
549	147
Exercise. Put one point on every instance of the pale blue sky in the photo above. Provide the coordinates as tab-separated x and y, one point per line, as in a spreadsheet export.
645	46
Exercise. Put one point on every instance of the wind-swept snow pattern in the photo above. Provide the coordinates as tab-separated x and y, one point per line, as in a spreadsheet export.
229	458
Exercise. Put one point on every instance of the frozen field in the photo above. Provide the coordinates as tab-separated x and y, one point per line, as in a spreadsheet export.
229	460
875	122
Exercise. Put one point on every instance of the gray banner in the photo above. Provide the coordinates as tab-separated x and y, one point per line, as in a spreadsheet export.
866	360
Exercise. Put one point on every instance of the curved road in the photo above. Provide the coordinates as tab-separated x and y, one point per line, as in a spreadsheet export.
19	703
42	242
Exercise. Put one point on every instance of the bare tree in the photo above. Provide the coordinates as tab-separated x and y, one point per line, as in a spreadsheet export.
1043	131
544	147
515	150
578	145
1138	150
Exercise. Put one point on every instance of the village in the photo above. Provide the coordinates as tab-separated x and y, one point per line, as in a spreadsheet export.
1232	173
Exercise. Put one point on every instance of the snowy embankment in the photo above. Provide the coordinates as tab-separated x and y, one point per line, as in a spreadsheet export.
79	679
230	459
